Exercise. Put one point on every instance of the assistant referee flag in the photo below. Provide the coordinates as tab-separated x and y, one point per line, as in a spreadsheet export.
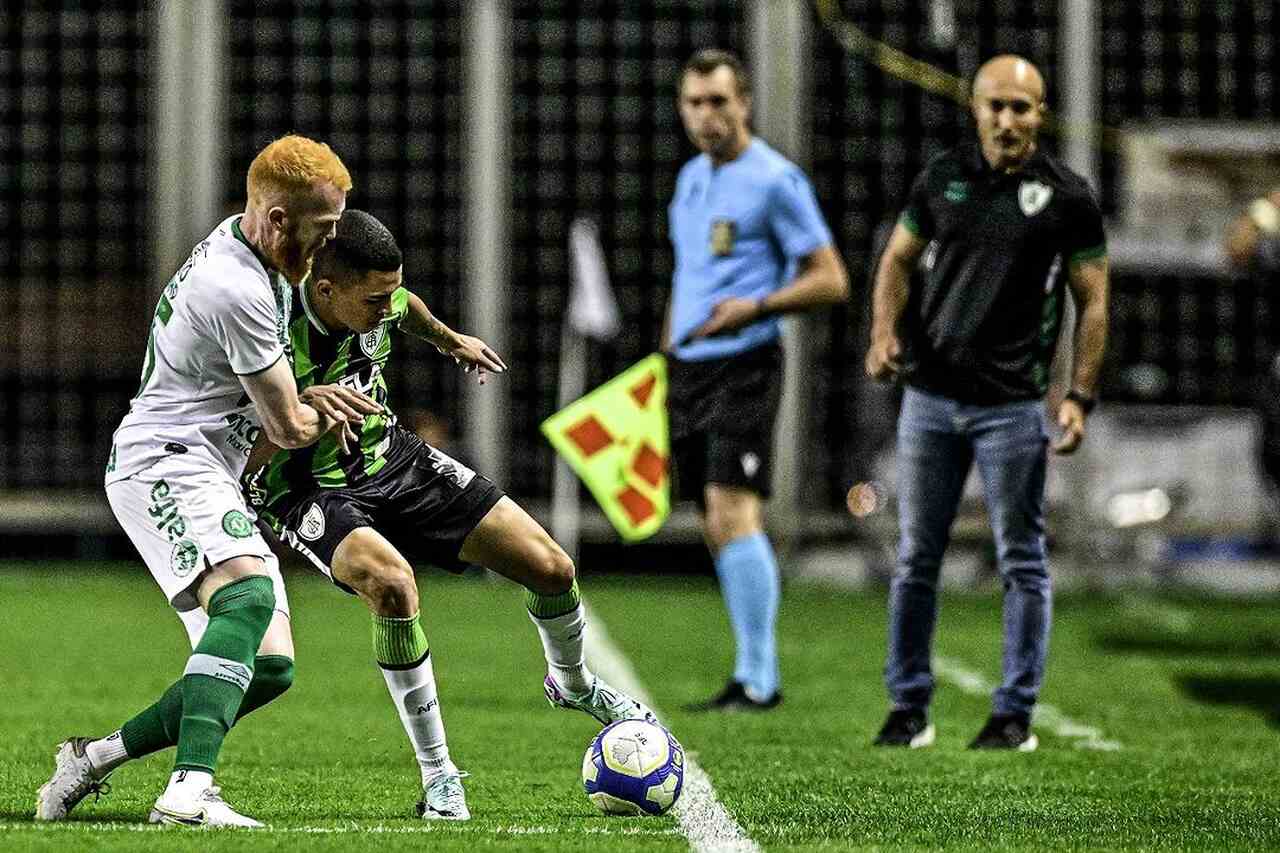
615	438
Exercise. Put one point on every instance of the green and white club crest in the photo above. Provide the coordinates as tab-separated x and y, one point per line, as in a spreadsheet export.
370	341
184	558
312	526
237	524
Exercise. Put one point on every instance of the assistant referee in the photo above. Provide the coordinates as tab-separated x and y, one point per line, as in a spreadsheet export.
750	244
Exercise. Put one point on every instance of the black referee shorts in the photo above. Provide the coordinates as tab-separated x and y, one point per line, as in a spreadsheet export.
721	414
423	501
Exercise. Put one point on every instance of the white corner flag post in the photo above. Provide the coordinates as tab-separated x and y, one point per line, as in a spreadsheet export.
593	313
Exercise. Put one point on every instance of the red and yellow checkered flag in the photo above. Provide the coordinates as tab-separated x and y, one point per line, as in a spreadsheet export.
615	438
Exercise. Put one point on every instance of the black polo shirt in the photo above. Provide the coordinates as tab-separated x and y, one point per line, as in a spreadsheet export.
984	310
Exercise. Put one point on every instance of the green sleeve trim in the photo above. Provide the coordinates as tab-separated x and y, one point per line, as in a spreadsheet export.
1092	253
907	221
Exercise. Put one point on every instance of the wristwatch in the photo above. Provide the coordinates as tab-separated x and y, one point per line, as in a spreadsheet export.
1086	404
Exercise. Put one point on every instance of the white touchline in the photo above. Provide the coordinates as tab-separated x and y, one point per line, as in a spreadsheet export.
1086	737
703	820
438	827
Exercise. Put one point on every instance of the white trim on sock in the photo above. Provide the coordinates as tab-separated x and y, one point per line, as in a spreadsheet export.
106	753
187	784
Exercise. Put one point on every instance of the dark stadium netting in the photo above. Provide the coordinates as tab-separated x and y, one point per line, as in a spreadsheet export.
75	283
1192	338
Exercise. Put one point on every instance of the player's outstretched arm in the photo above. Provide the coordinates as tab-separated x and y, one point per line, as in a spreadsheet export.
470	352
287	421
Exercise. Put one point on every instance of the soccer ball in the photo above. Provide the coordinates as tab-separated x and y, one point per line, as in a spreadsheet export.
633	767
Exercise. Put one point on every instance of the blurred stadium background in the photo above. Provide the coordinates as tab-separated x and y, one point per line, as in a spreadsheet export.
478	131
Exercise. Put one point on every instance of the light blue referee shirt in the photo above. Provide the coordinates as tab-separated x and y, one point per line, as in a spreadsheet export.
737	230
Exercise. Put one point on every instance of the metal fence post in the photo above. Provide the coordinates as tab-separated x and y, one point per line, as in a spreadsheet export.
780	32
486	238
188	128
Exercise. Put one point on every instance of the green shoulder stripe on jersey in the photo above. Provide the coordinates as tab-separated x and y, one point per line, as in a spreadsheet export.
1092	253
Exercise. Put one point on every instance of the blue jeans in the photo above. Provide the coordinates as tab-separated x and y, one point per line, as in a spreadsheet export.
938	440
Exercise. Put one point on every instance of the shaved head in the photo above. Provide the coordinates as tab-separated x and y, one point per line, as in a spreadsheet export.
1009	71
1008	108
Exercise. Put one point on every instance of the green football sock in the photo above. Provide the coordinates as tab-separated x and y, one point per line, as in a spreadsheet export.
220	669
551	606
398	641
157	726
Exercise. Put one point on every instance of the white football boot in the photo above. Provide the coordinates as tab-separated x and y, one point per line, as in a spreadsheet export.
73	779
443	798
202	810
604	702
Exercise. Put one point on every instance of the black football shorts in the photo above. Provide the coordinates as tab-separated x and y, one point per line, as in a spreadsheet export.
721	414
423	501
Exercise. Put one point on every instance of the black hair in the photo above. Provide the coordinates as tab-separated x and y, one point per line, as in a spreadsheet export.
362	244
709	59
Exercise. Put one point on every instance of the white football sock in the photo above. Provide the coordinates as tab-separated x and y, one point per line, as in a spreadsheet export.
414	693
106	753
562	640
186	785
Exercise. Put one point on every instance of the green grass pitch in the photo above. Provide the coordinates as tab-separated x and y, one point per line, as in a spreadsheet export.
1189	688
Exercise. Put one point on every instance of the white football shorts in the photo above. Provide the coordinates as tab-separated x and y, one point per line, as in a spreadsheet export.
184	517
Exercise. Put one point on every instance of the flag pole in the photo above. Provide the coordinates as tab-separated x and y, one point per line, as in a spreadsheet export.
592	313
565	496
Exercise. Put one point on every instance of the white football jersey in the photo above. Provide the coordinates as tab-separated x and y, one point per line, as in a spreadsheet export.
222	316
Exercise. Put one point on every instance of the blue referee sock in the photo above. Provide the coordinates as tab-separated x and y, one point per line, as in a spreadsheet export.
749	581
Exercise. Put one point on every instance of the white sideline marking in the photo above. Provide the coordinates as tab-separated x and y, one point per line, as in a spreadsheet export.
452	828
1086	737
703	820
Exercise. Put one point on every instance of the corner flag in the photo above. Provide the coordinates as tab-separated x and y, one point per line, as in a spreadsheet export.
615	438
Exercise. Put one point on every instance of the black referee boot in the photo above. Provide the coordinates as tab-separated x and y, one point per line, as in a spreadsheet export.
734	698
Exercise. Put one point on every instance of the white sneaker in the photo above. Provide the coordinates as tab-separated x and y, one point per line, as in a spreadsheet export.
206	809
444	799
604	702
73	779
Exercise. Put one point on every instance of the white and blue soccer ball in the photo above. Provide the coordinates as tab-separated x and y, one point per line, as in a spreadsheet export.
633	767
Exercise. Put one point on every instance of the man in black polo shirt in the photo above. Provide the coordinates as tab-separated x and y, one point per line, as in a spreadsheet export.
994	228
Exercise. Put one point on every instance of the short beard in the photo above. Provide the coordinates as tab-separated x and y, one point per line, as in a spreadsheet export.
294	266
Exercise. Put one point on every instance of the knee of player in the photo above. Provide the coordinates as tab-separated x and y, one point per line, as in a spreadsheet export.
722	528
553	571
392	589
